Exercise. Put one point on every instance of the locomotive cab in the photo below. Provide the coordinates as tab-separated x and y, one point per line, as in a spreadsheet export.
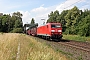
56	30
50	31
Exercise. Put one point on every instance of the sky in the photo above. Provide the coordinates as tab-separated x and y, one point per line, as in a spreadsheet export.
39	9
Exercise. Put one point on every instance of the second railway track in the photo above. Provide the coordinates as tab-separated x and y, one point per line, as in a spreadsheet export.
78	45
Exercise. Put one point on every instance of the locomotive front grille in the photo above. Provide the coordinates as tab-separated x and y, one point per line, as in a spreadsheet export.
56	36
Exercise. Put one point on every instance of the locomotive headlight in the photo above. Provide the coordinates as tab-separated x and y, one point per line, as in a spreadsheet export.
52	30
59	30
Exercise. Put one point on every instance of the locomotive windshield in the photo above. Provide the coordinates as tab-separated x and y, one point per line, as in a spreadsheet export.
55	26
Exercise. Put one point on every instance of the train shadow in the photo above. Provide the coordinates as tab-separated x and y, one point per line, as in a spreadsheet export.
60	40
63	40
55	40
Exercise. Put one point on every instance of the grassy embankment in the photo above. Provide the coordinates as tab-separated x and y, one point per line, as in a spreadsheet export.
22	47
76	38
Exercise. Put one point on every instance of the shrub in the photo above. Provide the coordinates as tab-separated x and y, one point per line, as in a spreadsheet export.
17	30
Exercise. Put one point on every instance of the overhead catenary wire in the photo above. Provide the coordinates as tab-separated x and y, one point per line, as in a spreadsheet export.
70	5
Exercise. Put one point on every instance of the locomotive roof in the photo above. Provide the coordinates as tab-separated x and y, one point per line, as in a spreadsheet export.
52	23
48	24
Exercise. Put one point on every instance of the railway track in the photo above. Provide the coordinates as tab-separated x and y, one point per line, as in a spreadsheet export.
78	45
74	49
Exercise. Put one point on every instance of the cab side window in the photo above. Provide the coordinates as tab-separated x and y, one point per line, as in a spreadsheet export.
47	26
52	26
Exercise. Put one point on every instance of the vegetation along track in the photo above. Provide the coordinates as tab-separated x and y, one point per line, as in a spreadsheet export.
73	49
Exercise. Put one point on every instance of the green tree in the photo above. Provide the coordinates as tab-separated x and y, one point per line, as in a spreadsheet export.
9	23
84	24
53	16
32	21
18	24
5	23
61	19
50	17
72	20
17	16
1	23
17	20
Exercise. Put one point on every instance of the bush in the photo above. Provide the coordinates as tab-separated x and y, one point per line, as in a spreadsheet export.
17	30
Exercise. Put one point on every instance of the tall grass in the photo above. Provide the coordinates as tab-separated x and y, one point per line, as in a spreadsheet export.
8	46
76	38
30	49
33	50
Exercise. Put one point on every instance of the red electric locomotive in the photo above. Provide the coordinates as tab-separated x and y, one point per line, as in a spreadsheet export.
50	30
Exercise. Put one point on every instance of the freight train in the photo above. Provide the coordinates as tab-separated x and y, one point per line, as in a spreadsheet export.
47	31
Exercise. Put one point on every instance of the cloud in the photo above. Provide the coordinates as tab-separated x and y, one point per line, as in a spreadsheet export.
68	4
26	17
39	10
41	13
